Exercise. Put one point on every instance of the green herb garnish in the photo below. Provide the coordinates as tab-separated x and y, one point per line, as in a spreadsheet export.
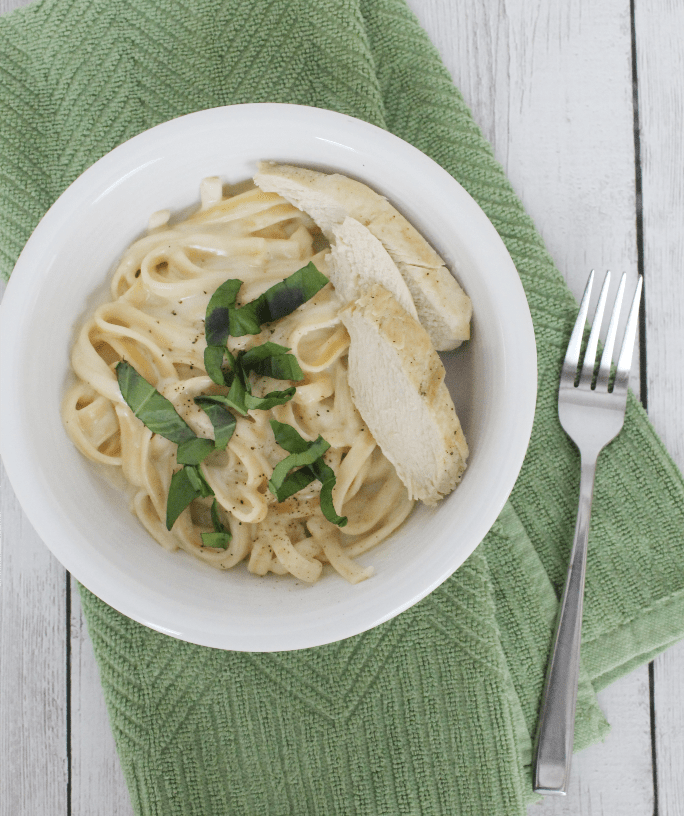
269	359
288	437
304	464
271	399
272	360
187	484
223	319
221	537
194	451
158	414
214	357
326	475
221	419
313	451
217	318
153	409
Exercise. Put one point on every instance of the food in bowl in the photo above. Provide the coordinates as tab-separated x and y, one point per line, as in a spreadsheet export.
266	375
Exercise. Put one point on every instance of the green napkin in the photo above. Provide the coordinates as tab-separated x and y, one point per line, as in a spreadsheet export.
432	712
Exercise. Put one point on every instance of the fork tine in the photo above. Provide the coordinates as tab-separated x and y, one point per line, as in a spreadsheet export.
574	346
627	351
592	344
607	356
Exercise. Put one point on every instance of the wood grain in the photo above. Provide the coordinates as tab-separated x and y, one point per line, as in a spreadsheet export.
660	64
33	679
550	86
98	787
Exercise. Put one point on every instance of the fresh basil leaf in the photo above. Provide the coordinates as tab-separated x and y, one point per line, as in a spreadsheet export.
219	541
278	301
234	399
283	367
326	475
186	484
288	295
213	364
240	392
291	440
271	399
293	483
196	477
221	418
221	537
194	451
244	320
296	460
217	320
255	355
216	519
154	410
236	396
288	437
272	360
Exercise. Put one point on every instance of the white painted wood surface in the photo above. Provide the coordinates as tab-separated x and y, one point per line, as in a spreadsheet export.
551	87
660	68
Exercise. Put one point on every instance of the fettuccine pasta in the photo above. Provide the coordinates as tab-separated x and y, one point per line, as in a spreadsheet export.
155	321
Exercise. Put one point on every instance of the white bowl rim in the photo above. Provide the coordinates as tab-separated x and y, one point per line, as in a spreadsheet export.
25	282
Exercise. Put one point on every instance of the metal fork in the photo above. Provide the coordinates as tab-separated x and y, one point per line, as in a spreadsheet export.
592	411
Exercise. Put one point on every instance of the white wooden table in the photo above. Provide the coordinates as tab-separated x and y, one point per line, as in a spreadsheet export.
584	105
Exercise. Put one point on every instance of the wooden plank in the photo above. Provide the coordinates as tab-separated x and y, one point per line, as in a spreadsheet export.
660	63
33	679
660	60
668	670
98	787
551	87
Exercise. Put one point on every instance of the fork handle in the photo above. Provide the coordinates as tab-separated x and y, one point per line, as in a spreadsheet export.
556	727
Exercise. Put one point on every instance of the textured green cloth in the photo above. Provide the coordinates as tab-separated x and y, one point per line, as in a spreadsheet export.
430	713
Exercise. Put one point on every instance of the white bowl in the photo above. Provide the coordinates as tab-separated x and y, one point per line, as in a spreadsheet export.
83	520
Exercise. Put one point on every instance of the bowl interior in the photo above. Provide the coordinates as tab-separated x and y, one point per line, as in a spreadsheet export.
64	271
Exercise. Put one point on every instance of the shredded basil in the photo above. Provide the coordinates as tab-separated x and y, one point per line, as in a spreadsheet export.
219	541
221	419
157	413
313	451
288	437
187	484
217	318
278	301
235	399
326	475
194	451
223	319
221	537
214	357
308	458
240	397
288	295
244	320
272	360
271	399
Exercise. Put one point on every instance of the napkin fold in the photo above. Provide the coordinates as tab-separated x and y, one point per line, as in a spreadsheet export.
431	712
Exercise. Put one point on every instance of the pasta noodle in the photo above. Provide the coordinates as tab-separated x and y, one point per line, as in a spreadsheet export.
154	320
